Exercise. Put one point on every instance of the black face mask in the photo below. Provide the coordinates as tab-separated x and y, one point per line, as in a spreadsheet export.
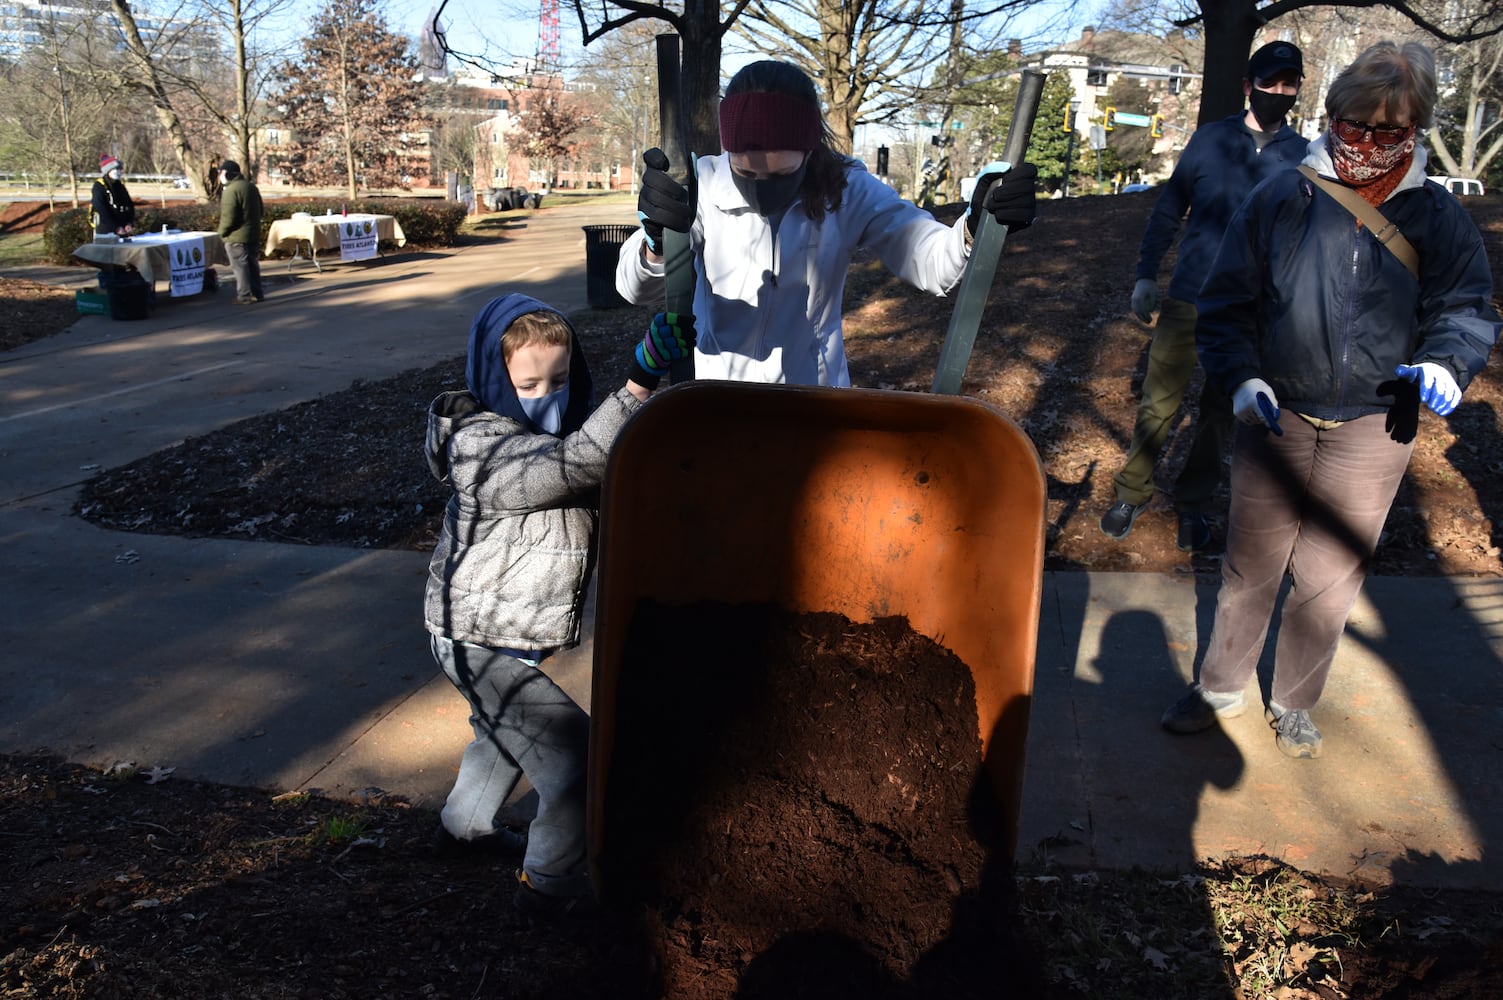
1269	109
770	196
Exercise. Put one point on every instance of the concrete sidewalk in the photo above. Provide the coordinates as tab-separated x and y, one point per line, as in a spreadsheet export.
284	667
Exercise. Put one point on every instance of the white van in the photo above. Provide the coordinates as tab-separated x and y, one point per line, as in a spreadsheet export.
1460	186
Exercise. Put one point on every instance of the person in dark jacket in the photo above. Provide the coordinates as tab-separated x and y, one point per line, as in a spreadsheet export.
113	211
1327	344
1223	161
506	585
240	228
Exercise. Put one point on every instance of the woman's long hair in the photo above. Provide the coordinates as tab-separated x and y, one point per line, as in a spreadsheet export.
825	176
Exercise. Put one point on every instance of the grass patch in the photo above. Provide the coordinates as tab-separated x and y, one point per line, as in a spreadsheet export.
338	829
21	249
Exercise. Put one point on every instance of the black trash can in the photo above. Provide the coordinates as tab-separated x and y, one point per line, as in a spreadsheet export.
602	249
130	295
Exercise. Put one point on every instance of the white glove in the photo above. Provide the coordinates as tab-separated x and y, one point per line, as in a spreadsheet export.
1145	299
1245	404
1438	389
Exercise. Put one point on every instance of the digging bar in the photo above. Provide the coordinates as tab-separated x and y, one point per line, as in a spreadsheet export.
678	267
976	282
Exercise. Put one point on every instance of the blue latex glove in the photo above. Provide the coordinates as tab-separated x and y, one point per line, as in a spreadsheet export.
1007	193
1255	403
1438	388
669	338
663	203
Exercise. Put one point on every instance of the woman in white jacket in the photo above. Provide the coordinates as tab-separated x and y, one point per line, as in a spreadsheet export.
778	217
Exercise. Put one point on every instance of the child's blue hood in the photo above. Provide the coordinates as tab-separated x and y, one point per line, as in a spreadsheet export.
486	373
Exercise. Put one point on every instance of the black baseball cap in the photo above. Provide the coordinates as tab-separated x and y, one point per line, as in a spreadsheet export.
1274	58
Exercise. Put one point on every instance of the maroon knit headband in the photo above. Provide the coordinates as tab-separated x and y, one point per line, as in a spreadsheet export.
761	120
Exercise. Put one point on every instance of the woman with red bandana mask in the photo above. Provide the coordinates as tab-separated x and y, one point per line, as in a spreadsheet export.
777	219
1327	345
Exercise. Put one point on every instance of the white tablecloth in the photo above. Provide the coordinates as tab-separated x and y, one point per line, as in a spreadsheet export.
321	232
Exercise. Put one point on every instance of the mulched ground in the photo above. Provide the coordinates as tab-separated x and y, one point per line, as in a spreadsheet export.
133	884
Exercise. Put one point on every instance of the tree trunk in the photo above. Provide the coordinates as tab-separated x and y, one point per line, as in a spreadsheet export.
242	92
149	81
699	75
1230	26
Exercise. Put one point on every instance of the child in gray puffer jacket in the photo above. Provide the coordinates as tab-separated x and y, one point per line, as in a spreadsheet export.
506	585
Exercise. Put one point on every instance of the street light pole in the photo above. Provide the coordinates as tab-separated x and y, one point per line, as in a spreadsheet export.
1070	147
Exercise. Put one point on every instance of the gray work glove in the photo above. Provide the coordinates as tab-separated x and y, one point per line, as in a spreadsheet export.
1145	299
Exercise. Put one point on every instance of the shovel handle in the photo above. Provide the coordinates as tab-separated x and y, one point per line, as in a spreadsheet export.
678	266
986	249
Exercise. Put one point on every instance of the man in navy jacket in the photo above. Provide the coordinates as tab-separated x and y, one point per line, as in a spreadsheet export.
1222	162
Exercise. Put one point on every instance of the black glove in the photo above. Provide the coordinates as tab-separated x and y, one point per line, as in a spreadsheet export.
663	203
1008	196
669	338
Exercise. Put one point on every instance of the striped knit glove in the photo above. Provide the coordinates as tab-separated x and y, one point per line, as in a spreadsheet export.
669	338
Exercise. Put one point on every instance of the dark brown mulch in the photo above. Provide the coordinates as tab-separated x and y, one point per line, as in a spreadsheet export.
1055	353
796	804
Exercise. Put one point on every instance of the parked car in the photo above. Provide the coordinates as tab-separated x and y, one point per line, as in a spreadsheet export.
1460	186
1135	188
181	183
507	199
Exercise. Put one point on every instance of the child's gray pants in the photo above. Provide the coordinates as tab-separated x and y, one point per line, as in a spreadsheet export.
524	724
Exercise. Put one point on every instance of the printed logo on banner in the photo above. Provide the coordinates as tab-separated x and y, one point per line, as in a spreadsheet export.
357	240
187	259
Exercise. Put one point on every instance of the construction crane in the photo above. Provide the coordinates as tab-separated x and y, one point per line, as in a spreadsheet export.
548	60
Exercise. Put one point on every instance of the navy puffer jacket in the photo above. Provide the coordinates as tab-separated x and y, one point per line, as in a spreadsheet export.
1301	297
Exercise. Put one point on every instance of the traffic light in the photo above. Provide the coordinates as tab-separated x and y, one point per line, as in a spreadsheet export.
1156	129
881	161
1111	119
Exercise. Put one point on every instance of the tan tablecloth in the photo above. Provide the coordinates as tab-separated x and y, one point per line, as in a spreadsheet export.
150	253
321	232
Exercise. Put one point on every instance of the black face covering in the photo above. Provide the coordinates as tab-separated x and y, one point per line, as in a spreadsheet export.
770	196
1269	109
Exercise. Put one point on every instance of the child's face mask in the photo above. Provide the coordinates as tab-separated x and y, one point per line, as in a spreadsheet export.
547	412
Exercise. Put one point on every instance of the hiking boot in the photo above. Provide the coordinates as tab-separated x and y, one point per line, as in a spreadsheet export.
1198	709
1118	520
532	902
1194	532
501	842
1297	735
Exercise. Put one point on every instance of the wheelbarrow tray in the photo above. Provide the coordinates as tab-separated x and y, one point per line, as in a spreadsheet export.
866	503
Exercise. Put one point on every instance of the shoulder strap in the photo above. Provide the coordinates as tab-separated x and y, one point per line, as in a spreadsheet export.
1386	232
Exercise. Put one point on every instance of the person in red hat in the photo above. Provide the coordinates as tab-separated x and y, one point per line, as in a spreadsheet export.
773	228
113	211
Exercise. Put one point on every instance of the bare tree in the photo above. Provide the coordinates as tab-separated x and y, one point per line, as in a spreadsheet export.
619	73
54	111
872	58
146	78
242	114
701	30
1464	119
1229	27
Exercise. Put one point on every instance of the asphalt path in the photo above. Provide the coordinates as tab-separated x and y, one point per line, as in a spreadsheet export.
106	392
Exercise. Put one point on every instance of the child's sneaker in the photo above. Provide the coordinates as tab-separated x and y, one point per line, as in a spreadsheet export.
532	902
1198	709
501	842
